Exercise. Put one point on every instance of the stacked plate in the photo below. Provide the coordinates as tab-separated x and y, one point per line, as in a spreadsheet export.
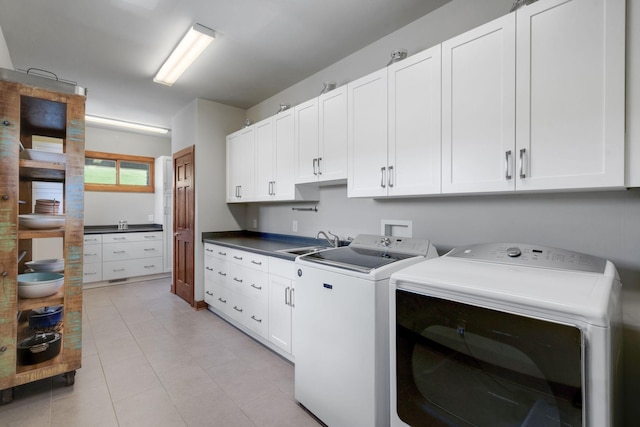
55	265
47	206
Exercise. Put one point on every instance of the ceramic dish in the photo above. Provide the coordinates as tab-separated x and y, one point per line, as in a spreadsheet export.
54	265
41	221
38	285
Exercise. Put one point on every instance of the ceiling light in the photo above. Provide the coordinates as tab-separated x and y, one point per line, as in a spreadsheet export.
126	125
190	47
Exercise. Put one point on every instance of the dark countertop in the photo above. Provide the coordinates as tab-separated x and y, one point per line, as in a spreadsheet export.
261	243
133	228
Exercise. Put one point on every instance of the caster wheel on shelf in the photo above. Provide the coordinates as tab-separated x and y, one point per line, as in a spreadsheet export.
6	396
70	377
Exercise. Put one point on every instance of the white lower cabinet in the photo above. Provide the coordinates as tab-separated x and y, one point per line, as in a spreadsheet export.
248	290
92	258
122	255
281	295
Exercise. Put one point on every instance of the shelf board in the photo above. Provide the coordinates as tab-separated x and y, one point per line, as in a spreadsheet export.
31	303
49	171
40	234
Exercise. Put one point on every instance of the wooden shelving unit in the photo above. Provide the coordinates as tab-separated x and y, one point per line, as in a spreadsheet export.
27	111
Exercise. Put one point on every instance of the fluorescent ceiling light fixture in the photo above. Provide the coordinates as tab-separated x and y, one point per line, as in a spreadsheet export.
190	47
125	125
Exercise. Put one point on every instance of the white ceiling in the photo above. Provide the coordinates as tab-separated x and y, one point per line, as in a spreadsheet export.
114	47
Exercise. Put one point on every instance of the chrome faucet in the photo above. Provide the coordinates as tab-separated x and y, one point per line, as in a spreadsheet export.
334	242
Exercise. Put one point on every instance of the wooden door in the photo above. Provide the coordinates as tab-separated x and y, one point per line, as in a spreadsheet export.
183	224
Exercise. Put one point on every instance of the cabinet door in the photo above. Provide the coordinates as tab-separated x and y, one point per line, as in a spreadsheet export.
265	146
478	103
280	312
241	165
283	187
414	124
367	136
570	94
332	154
306	142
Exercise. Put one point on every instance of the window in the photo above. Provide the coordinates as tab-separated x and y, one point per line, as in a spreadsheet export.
118	172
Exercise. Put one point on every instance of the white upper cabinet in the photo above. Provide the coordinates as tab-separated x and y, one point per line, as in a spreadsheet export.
478	109
332	147
321	138
307	137
414	124
283	187
265	159
570	94
367	136
241	165
535	100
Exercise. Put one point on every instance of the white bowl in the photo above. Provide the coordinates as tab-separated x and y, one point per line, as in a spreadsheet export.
54	264
37	285
43	156
41	221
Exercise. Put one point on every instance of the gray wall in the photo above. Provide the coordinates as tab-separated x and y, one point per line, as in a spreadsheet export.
205	125
5	58
104	208
605	224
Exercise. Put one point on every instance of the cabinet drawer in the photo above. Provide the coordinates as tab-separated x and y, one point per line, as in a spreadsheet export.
131	268
90	239
92	253
256	315
249	259
131	237
216	251
256	285
91	272
131	250
216	269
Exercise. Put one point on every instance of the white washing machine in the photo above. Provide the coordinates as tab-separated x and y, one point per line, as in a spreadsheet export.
506	335
341	328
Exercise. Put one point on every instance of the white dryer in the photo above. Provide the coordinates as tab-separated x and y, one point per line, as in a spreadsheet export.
505	335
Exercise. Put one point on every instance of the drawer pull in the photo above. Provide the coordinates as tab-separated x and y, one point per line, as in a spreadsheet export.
149	237
119	252
237	280
222	253
256	262
117	270
208	293
222	274
235	307
119	238
209	268
90	274
239	258
224	301
257	320
149	249
209	250
150	266
90	254
256	287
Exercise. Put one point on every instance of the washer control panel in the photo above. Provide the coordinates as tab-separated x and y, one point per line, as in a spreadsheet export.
402	245
531	256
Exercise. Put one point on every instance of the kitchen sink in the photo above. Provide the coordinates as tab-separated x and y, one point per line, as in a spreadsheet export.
303	251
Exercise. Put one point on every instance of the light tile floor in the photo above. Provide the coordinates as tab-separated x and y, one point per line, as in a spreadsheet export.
149	359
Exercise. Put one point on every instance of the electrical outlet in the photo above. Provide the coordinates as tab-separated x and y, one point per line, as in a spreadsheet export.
295	225
255	223
149	217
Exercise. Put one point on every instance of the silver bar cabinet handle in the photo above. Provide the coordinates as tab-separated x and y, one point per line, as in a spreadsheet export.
315	166
286	296
391	176
382	183
507	175
319	166
522	153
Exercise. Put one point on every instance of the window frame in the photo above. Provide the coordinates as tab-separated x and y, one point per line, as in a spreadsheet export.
117	187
